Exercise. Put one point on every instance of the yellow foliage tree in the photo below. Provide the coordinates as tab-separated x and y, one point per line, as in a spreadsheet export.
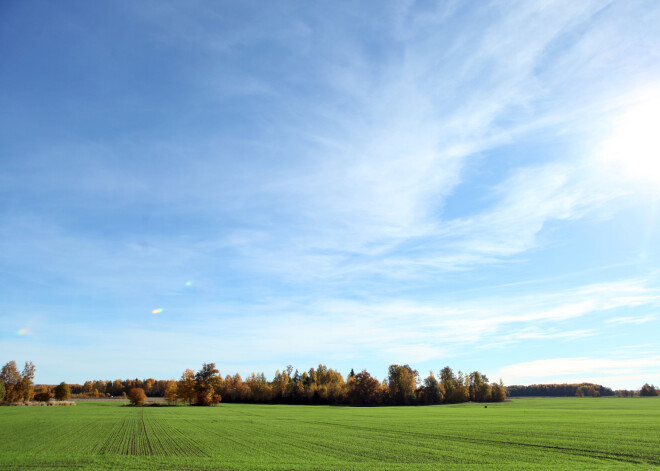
186	386
171	392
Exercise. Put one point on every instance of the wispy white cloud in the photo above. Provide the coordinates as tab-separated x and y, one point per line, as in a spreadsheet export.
404	145
535	333
632	319
368	166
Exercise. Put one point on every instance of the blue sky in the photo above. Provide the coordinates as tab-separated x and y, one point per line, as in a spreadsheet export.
359	184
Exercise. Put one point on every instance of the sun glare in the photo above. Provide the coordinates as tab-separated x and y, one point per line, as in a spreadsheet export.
634	146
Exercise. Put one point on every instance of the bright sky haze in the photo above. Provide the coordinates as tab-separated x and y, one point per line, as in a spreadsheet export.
257	184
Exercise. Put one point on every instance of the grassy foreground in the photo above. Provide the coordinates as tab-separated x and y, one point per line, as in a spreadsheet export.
555	432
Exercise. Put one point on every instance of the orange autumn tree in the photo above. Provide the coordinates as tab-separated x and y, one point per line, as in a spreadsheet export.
137	396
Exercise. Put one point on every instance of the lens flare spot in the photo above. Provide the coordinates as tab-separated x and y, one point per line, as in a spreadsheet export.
23	331
189	284
633	147
157	311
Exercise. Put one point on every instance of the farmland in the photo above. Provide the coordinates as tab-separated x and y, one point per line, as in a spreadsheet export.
556	432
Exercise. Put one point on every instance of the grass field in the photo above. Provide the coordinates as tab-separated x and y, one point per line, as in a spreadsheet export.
557	432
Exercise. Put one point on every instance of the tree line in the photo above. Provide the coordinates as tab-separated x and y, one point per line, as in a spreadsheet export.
559	390
119	387
323	385
578	390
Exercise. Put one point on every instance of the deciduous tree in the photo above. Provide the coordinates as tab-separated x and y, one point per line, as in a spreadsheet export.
137	396
280	382
171	392
19	387
206	383
364	389
402	382
62	392
480	390
447	380
186	386
117	387
430	391
498	392
88	387
648	390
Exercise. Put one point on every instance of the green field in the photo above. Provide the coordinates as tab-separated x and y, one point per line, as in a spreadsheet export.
557	432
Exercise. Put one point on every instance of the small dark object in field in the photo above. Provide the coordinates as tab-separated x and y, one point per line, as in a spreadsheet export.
485	407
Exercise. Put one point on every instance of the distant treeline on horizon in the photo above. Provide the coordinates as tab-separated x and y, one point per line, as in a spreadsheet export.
560	390
577	389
